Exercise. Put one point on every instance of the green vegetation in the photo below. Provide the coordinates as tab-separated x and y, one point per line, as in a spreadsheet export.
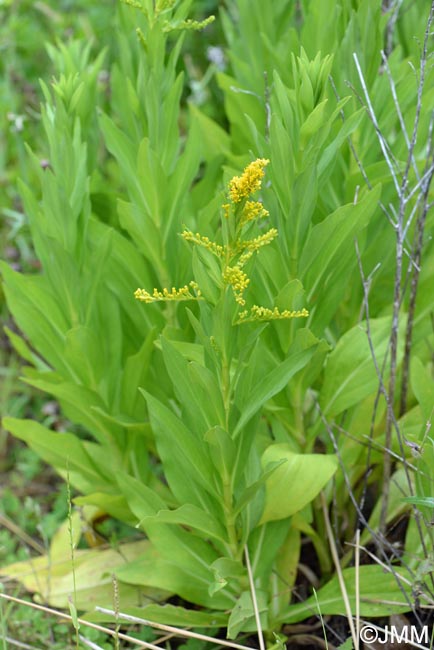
247	443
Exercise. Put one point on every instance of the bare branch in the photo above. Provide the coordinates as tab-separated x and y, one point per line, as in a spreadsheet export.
395	6
381	139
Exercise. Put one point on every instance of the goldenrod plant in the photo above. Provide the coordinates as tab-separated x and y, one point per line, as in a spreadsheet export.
231	484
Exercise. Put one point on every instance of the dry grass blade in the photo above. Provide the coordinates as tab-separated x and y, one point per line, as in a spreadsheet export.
177	631
21	534
357	567
335	557
254	599
68	618
393	570
19	644
89	644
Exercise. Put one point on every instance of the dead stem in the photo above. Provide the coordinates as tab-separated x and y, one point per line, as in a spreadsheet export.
401	225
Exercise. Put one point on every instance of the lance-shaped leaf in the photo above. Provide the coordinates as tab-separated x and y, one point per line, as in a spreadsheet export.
272	384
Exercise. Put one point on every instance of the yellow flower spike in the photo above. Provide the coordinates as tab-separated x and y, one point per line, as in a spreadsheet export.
165	295
238	280
235	254
240	187
257	313
250	246
201	240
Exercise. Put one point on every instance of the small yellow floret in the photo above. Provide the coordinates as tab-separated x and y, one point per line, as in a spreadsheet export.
264	314
240	187
201	240
250	246
238	280
165	295
253	210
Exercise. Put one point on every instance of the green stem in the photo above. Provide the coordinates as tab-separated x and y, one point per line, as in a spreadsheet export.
226	390
229	517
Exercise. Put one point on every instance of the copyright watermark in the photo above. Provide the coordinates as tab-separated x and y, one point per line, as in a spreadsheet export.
392	634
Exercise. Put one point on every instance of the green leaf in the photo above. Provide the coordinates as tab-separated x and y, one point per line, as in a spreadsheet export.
314	121
350	374
423	387
192	517
73	613
62	451
395	504
207	274
135	371
114	505
214	140
223	450
181	181
272	384
226	567
80	404
142	230
184	560
168	615
38	314
377	590
242	617
190	351
24	350
152	180
325	165
296	482
329	238
190	382
251	490
185	458
124	150
426	502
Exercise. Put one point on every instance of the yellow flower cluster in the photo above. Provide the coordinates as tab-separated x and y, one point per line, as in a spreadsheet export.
250	246
238	280
236	251
175	294
253	210
200	240
240	187
264	314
